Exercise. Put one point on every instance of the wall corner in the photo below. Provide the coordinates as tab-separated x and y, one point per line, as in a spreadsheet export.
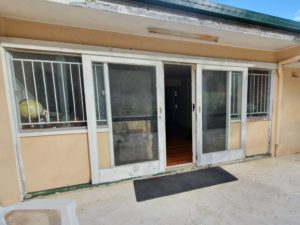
10	191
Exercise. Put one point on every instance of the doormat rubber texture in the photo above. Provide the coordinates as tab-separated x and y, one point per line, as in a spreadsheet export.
173	184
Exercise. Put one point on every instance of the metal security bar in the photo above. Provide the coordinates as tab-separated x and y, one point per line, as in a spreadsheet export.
49	93
258	93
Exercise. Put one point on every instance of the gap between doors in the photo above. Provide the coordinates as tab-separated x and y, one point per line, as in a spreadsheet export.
180	95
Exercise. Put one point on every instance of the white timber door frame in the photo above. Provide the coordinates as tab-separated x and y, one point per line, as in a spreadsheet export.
124	171
226	155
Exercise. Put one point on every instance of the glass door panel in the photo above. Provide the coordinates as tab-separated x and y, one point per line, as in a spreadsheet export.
99	91
235	110
134	113
125	130
214	111
102	129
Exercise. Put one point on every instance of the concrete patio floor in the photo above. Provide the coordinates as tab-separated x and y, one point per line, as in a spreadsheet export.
267	192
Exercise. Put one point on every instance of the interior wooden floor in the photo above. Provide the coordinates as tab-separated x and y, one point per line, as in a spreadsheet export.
179	151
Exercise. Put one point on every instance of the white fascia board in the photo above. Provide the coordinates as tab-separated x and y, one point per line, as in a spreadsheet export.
171	16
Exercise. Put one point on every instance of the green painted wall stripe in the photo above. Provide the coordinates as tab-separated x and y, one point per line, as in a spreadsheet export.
37	194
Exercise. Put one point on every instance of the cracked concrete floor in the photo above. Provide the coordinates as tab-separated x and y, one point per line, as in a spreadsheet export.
267	192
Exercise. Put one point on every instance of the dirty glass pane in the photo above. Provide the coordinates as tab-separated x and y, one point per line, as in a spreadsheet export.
214	86
236	95
235	110
99	90
134	113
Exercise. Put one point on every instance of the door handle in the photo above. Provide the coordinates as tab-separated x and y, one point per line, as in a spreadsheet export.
193	107
160	113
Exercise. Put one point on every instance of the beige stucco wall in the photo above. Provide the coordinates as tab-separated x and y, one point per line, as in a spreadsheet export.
289	141
55	161
9	187
287	53
235	135
103	149
257	137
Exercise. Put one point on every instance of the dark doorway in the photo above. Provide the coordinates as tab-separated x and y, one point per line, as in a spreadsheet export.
178	104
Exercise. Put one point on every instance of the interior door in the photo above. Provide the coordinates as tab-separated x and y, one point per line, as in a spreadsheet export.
125	117
221	113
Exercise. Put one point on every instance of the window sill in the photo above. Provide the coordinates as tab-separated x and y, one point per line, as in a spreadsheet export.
49	132
253	119
235	120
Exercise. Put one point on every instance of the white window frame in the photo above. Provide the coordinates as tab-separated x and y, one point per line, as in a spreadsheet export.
37	131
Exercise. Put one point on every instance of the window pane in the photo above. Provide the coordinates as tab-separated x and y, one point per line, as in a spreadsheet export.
133	90
214	115
99	89
49	91
134	113
236	105
236	95
258	93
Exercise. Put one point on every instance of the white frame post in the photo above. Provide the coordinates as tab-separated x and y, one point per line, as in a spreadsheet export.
198	113
271	104
194	112
161	128
244	109
109	116
91	116
228	108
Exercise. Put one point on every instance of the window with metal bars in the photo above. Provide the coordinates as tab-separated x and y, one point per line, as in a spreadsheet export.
258	99
49	90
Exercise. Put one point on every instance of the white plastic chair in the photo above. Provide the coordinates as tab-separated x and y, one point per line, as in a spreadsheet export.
67	209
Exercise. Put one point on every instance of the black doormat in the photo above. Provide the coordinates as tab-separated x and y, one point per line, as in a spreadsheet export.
172	184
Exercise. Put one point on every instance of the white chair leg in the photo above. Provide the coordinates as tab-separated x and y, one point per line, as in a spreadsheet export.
73	214
68	215
2	220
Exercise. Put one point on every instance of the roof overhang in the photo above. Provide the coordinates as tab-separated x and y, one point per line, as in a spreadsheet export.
228	12
133	18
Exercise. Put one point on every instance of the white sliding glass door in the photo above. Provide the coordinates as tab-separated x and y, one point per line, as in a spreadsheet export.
125	117
221	113
134	113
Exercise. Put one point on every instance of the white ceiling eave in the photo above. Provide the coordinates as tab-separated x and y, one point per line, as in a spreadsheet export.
109	16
